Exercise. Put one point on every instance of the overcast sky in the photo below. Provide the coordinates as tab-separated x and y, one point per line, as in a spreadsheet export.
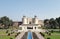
15	9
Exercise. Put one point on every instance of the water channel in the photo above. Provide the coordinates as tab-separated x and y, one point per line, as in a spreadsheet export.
29	36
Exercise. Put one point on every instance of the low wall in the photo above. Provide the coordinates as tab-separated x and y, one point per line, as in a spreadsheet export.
37	30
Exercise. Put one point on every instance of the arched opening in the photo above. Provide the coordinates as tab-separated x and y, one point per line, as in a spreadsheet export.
29	22
29	27
35	27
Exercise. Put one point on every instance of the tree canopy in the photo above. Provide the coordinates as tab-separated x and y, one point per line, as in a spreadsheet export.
52	23
5	22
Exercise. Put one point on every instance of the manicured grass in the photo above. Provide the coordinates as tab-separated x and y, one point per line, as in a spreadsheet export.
3	31
4	35
7	37
54	35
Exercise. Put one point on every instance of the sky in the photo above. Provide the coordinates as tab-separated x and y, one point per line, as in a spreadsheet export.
43	9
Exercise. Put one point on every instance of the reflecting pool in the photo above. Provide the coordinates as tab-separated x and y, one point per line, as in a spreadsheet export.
29	35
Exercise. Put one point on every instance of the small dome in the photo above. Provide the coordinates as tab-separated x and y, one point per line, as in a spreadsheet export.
35	16
24	16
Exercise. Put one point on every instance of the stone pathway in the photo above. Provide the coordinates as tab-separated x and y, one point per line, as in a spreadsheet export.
25	35
39	35
34	36
20	35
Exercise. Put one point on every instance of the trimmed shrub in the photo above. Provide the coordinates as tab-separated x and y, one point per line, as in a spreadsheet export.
42	34
52	31
7	31
8	34
18	33
46	32
49	33
11	38
12	32
48	38
15	35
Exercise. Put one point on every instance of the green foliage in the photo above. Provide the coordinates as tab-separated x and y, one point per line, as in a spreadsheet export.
49	33
18	33
6	37
46	32
11	38
5	22
42	34
52	23
15	35
7	31
52	31
8	34
48	38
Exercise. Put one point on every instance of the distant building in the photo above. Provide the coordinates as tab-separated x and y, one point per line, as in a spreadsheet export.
26	20
17	23
31	24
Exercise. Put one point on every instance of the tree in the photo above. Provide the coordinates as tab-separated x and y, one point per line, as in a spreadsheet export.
10	22
6	21
58	20
46	23
52	23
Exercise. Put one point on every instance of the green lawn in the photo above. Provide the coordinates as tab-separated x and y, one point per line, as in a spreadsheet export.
3	34
7	37
3	31
54	35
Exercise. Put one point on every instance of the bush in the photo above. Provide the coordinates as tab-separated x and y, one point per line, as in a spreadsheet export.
48	38
11	38
49	34
15	35
7	31
18	33
8	34
52	31
42	34
12	32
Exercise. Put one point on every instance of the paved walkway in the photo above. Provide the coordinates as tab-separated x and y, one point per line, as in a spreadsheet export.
39	35
20	35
